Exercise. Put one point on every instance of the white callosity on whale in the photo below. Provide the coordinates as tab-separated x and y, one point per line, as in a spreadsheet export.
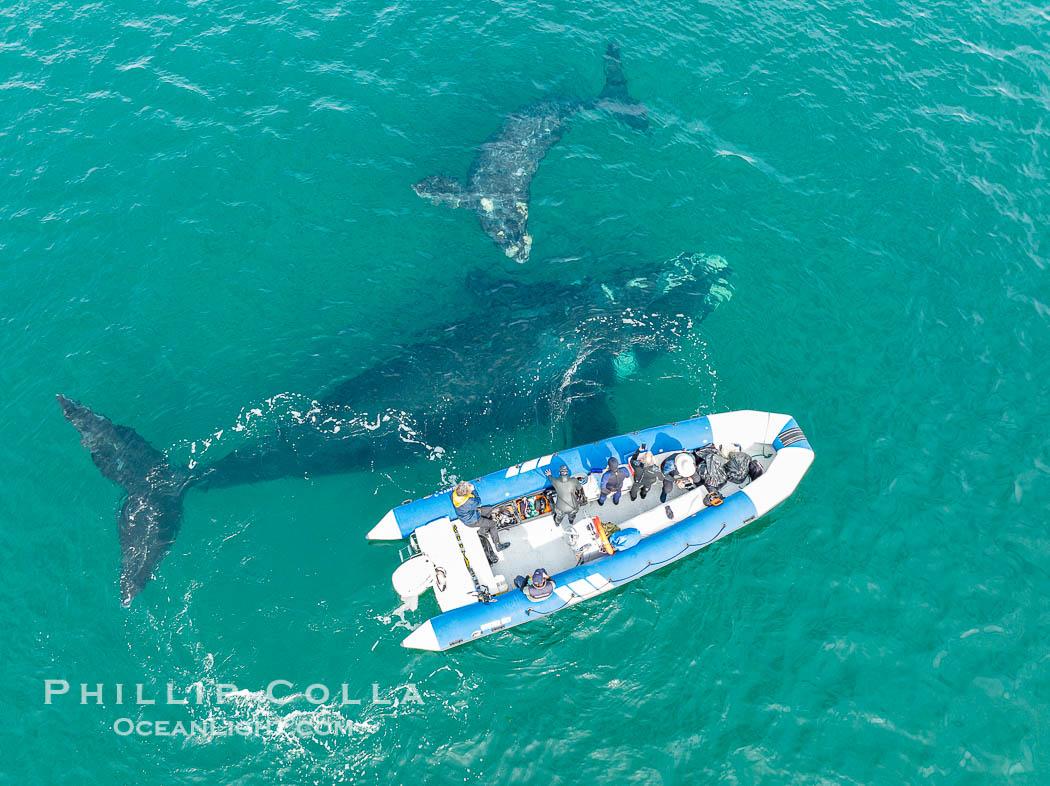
498	186
477	599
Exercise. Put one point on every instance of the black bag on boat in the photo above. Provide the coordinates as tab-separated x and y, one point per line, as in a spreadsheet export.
754	469
714	471
737	467
702	453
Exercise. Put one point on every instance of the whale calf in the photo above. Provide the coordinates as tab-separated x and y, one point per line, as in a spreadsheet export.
498	183
530	355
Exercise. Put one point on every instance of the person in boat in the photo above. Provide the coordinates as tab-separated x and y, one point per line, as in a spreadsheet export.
680	470
538	586
646	473
612	482
471	512
568	491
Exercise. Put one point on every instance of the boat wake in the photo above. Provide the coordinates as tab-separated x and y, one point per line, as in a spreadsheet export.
302	420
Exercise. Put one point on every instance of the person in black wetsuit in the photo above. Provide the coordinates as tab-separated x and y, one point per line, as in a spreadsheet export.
646	473
612	482
568	490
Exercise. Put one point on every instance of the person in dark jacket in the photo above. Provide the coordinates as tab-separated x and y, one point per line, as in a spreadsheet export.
568	490
612	482
471	512
538	586
680	470
646	473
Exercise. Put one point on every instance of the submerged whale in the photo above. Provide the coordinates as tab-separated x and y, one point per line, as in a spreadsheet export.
537	355
497	187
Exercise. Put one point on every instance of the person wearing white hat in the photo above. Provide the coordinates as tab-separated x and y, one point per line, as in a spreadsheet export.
680	470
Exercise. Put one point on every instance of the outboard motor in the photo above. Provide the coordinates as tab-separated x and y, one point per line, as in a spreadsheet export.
412	578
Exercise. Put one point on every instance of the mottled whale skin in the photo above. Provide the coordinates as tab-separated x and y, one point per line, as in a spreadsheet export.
529	355
152	510
500	176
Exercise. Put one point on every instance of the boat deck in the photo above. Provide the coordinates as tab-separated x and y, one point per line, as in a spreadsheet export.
540	543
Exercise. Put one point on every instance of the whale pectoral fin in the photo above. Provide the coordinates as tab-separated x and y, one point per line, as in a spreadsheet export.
587	397
614	97
442	190
615	80
591	419
484	284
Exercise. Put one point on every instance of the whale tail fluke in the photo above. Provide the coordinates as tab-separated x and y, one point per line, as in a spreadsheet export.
614	97
442	190
152	511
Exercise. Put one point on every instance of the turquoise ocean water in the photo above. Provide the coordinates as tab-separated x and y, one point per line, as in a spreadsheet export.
205	209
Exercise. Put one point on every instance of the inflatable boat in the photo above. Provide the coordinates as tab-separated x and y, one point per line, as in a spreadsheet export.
483	590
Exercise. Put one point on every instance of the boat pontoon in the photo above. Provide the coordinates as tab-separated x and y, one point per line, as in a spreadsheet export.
607	546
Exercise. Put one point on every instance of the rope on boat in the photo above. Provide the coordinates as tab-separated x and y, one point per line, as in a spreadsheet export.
481	590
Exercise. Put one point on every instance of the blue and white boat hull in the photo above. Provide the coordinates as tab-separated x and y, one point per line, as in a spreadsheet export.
582	570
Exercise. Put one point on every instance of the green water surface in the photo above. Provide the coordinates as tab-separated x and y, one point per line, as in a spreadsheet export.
204	205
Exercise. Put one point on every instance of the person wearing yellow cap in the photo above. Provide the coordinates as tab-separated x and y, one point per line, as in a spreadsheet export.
467	502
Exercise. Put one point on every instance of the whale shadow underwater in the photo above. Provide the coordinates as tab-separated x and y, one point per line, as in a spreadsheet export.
530	355
498	185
